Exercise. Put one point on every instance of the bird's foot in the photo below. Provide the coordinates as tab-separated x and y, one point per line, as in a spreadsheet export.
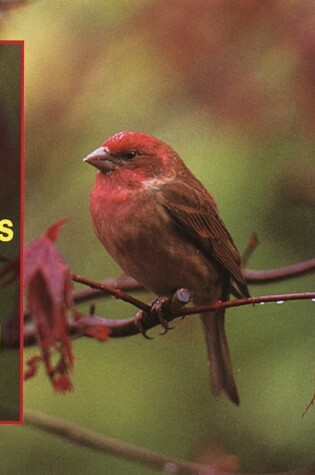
161	310
139	322
157	312
164	306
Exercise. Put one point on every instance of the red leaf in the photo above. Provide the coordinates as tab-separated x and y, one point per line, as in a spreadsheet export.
99	332
32	364
48	286
62	384
53	230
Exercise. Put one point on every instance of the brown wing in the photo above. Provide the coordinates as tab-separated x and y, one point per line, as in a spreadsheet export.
195	213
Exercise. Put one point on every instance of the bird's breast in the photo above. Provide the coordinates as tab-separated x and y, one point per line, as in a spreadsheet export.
143	239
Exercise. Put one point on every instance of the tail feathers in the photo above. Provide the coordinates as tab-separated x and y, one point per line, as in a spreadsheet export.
221	372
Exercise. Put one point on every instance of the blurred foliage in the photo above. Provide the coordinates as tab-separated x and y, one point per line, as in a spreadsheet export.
230	85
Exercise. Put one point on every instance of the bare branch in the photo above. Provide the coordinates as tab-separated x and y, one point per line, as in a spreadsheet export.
281	273
122	283
253	277
129	326
252	244
115	292
83	437
277	298
310	404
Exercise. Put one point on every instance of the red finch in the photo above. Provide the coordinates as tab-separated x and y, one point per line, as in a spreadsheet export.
162	227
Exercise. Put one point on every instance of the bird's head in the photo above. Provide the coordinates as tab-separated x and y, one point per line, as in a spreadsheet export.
134	151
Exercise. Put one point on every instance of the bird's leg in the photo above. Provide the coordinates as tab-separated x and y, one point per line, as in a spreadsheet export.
160	309
163	306
140	318
157	312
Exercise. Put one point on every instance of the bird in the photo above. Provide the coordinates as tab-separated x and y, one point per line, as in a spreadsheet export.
162	227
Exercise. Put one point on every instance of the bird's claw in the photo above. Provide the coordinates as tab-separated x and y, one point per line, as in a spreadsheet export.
139	324
166	327
159	309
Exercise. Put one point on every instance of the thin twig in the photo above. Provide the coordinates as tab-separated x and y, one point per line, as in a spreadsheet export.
129	326
279	274
278	298
252	244
82	437
126	284
310	404
78	435
117	293
252	277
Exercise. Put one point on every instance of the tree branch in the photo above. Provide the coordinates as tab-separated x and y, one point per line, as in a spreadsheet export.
115	292
252	277
122	283
279	274
79	436
130	326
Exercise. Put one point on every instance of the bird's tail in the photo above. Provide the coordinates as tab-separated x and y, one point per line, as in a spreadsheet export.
221	372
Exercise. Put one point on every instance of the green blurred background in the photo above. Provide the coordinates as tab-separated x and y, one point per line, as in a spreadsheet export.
231	86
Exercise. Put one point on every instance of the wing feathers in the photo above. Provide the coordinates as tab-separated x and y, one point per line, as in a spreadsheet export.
195	212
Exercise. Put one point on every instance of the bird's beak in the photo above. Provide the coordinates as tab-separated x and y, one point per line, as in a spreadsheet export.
101	159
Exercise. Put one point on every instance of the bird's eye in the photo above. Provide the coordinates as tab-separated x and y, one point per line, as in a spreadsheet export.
130	154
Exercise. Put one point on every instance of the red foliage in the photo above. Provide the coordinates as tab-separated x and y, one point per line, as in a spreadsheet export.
8	4
32	367
48	286
247	62
62	383
100	332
